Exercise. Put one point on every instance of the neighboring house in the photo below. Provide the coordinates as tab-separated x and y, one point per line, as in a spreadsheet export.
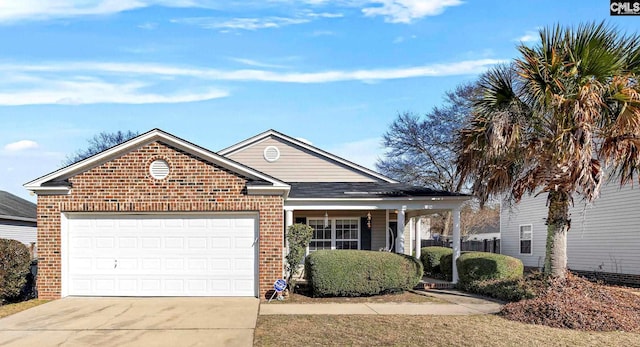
18	220
603	240
485	232
160	216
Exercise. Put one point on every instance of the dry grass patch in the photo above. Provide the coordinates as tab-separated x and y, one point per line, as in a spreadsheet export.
478	330
303	298
9	309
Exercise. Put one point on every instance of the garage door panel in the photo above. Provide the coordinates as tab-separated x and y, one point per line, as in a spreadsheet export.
161	256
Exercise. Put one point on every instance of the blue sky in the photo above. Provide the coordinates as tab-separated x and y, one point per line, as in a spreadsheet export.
216	72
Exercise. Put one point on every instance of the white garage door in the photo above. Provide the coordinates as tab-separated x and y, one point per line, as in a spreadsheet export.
160	255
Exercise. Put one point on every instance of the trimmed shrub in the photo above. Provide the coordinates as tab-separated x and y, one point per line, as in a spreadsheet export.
430	257
446	266
14	267
478	266
299	236
360	273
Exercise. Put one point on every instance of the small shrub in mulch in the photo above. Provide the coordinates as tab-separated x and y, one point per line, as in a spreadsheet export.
510	289
430	257
576	303
479	266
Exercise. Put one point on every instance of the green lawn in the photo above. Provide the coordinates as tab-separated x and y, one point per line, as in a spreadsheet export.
477	330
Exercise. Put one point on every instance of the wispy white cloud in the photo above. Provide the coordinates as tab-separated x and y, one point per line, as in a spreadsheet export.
407	11
240	23
38	10
251	62
131	69
77	83
529	36
401	39
393	11
19	10
323	14
317	33
20	145
148	26
79	91
255	23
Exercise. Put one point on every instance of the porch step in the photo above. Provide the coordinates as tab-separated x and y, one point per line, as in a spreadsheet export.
438	285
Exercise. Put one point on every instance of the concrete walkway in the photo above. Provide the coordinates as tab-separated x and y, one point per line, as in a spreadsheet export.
457	303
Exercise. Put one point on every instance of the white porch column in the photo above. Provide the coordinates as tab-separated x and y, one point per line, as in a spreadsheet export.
418	236
288	218
456	243
288	221
400	233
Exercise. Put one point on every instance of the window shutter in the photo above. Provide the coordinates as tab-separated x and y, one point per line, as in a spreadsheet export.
365	234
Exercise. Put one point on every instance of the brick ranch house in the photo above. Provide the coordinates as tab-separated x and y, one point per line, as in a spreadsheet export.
160	216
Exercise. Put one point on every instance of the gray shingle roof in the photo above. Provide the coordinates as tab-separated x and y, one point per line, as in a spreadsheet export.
361	190
13	206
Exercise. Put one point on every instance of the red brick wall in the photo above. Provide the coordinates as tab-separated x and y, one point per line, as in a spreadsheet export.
125	185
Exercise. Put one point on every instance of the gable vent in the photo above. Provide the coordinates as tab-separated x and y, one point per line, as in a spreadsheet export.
271	153
159	169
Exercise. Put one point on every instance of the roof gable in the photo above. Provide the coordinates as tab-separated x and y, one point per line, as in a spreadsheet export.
55	182
303	162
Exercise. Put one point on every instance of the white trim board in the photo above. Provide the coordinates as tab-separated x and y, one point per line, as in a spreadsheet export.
141	140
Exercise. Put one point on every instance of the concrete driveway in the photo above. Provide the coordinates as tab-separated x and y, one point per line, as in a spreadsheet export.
133	322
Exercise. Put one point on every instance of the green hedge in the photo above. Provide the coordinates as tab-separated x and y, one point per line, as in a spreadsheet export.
430	257
446	265
360	273
14	267
479	266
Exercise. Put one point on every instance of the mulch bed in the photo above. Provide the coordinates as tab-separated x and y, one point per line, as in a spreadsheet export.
576	303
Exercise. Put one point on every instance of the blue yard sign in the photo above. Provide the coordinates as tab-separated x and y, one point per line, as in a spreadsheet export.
279	286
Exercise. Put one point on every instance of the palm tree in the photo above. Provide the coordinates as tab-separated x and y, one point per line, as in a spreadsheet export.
559	120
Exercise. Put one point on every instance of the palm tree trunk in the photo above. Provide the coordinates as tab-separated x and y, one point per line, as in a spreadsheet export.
558	224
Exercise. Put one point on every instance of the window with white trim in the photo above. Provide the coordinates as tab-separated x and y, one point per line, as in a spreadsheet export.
347	233
526	237
341	233
321	238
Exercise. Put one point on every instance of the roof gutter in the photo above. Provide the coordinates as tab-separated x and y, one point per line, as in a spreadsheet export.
21	219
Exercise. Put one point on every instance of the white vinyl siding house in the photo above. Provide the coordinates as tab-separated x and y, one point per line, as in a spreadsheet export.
604	237
18	220
25	232
526	238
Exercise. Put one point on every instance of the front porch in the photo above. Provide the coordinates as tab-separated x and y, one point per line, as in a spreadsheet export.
372	223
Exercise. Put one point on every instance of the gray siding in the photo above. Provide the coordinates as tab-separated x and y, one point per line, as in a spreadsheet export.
22	231
296	164
603	237
529	211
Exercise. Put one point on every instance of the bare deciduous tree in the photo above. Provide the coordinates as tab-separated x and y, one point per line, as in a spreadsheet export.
99	143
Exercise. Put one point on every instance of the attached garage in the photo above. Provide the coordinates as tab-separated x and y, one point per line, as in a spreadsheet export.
158	216
159	254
